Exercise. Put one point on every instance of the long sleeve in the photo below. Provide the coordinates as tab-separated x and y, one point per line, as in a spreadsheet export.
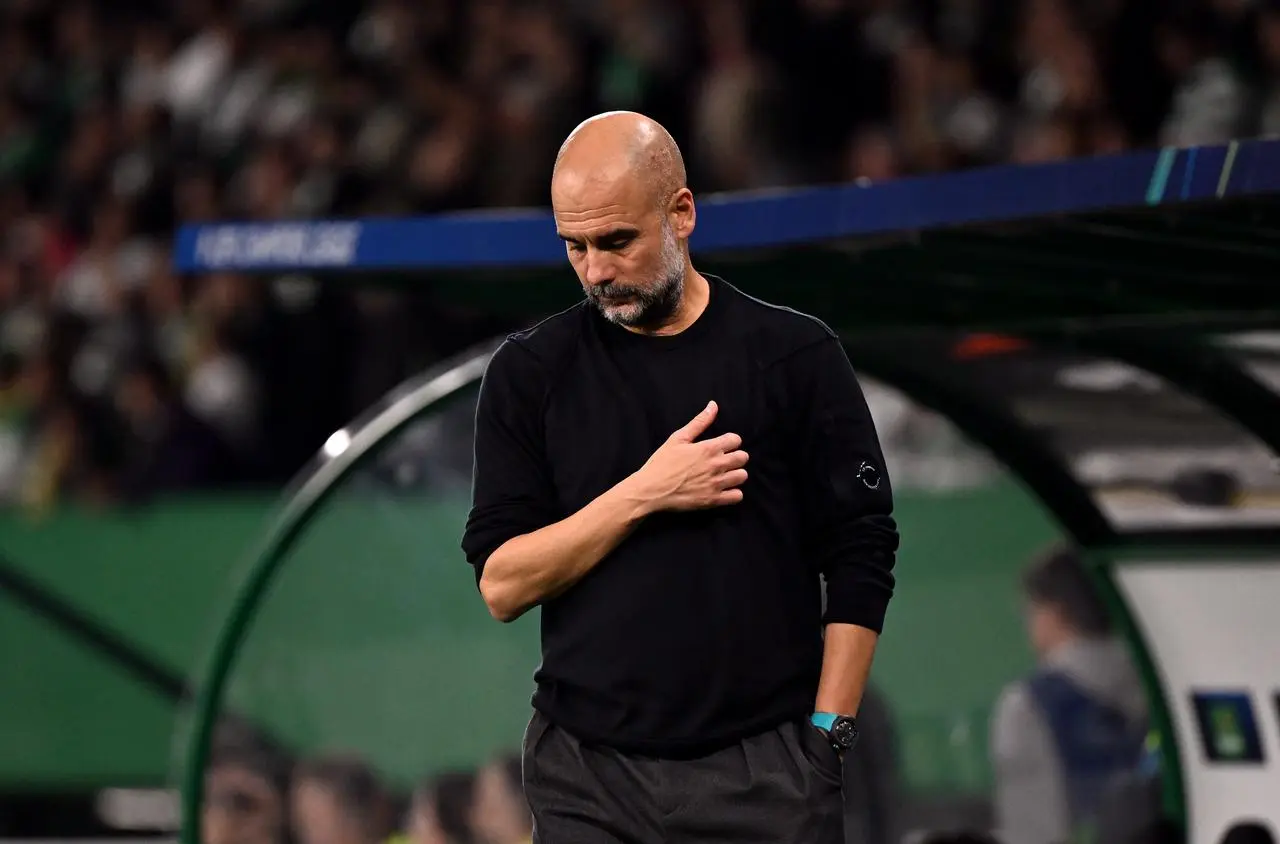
847	495
512	491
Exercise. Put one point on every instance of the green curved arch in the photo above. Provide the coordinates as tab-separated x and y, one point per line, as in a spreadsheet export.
402	407
1100	564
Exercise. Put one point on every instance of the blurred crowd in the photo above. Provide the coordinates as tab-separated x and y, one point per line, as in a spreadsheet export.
119	121
255	794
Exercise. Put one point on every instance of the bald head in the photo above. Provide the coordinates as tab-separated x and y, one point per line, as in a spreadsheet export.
622	146
622	208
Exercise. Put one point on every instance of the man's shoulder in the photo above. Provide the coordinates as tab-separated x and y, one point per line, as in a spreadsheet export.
553	333
782	328
543	345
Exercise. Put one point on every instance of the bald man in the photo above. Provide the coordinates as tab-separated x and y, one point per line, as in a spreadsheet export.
669	469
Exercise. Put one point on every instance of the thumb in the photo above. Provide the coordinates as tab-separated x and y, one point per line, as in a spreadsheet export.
695	426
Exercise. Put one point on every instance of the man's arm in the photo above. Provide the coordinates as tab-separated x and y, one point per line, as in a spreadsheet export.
522	549
846	663
851	528
682	474
526	570
523	552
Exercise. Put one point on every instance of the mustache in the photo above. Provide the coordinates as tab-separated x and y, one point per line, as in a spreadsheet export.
617	291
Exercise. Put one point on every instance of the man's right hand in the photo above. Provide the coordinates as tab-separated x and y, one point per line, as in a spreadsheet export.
685	474
682	474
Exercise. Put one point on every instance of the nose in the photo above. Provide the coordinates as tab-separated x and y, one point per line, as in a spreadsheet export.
599	269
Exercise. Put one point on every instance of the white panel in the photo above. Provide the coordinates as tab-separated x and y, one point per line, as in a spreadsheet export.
1215	627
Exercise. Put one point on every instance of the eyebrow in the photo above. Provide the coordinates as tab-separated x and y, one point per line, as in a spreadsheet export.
619	233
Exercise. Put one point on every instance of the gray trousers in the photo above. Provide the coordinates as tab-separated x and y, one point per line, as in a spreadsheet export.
780	787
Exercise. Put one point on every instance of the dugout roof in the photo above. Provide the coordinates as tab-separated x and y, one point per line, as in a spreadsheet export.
1109	327
1169	235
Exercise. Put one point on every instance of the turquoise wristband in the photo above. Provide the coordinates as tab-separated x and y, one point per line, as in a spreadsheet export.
823	720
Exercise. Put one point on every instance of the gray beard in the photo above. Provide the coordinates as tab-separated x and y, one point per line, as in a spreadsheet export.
656	306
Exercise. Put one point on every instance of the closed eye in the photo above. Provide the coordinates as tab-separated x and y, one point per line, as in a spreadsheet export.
611	241
615	242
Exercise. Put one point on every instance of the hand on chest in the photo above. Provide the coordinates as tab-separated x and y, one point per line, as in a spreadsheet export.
601	429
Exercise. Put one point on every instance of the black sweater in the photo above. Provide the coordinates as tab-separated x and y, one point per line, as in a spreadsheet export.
705	627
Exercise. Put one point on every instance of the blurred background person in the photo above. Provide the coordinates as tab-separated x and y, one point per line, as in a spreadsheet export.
246	790
171	449
440	810
339	800
499	813
1064	737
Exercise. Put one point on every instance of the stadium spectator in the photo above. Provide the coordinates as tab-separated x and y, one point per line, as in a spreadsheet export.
339	800
499	813
1064	737
245	790
1268	46
440	810
172	450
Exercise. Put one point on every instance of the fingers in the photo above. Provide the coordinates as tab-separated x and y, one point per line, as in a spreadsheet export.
720	499
732	460
698	424
724	443
729	496
733	478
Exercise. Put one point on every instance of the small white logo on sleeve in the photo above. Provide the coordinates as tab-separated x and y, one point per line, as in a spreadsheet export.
869	475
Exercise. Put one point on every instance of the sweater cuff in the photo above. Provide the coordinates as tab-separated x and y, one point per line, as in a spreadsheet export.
853	598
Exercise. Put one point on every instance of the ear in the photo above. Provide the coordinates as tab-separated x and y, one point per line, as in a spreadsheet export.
682	214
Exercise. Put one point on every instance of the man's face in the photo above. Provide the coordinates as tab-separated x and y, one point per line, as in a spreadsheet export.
241	807
625	250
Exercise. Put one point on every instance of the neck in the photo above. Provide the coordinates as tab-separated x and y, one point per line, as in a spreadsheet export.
694	298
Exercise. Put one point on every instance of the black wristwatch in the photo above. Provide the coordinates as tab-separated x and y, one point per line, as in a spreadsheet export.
840	730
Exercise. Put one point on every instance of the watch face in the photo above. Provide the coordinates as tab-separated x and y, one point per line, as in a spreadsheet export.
845	732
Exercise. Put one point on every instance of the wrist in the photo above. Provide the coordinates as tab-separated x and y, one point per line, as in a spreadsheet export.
840	730
637	501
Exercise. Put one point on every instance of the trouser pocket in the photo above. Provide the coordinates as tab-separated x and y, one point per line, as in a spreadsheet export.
534	733
817	750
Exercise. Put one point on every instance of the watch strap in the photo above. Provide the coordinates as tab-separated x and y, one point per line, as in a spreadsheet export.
823	720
